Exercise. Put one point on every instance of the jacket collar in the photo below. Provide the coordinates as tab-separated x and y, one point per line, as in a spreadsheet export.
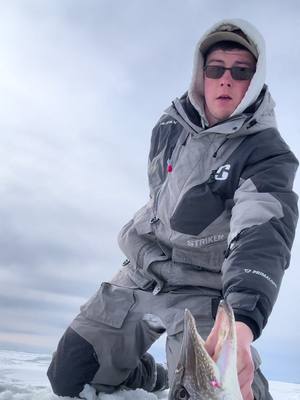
258	116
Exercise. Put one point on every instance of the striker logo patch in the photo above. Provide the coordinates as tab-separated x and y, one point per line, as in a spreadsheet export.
205	241
222	173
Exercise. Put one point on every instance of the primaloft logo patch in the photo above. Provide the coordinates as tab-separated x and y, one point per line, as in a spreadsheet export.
260	273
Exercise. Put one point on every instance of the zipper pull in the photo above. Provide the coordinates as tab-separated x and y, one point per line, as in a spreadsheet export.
216	152
169	166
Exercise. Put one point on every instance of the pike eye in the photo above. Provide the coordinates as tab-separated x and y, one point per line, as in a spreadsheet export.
181	393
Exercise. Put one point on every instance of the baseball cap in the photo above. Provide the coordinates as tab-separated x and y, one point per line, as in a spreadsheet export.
228	33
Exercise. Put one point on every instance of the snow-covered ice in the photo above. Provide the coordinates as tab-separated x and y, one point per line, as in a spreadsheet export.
23	377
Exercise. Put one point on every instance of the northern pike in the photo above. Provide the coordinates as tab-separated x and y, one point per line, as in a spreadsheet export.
198	376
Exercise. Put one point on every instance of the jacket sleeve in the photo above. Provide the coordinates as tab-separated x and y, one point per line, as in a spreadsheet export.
262	229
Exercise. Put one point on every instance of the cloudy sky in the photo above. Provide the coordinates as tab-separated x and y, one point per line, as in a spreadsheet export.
82	84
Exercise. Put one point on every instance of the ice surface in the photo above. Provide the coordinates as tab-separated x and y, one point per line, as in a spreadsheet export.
23	377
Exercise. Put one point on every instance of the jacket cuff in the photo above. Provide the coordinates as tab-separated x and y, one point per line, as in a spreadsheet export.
245	308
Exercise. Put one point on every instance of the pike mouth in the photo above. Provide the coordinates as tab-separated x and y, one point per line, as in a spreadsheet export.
198	376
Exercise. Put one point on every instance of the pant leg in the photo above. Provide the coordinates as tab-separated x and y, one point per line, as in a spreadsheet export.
112	327
260	384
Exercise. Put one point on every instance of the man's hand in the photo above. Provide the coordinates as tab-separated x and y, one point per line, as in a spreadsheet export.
245	365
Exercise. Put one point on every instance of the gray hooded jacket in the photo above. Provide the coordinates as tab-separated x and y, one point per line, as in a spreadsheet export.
221	213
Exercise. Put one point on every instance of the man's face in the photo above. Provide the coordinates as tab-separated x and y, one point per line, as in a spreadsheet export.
223	95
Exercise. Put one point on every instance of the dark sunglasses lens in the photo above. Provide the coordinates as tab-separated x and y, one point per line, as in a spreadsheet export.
214	71
237	73
241	73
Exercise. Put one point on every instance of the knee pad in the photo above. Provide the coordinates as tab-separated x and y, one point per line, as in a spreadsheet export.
73	365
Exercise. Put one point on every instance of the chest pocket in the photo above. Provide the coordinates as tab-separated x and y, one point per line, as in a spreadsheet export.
202	258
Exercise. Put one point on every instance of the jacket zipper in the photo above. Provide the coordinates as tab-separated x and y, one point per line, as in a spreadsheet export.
221	145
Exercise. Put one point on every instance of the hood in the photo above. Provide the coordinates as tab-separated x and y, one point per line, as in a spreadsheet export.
195	91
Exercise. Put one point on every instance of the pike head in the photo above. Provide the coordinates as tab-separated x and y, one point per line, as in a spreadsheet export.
198	376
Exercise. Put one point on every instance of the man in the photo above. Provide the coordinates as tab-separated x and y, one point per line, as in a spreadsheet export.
219	223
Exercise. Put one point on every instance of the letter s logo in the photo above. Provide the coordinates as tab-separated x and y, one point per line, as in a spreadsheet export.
222	172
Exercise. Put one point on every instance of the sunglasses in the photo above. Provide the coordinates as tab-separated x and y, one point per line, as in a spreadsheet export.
237	73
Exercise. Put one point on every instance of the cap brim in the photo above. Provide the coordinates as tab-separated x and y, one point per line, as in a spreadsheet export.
216	37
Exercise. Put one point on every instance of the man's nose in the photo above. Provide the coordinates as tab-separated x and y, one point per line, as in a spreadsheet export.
226	78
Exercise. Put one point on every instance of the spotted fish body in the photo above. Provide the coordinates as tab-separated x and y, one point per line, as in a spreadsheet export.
198	376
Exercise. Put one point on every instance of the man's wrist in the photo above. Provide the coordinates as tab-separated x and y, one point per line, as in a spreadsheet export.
244	331
251	323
